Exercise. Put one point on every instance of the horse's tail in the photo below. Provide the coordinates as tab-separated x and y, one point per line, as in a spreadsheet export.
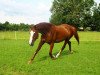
76	36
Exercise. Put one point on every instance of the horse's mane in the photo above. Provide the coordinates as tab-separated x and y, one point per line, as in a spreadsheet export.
43	27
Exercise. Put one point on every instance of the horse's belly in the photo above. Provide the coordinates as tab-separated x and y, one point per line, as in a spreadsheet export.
57	41
60	38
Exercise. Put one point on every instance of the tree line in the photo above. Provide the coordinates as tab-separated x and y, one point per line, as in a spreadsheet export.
13	27
82	13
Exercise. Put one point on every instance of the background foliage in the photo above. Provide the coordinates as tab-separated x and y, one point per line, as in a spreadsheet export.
13	27
82	13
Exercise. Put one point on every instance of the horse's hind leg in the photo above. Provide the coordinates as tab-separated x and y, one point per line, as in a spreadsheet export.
69	43
61	49
50	52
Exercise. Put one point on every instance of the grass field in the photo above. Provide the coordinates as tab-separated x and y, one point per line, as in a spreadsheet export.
15	53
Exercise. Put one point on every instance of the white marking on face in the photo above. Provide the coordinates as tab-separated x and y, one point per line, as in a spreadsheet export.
31	37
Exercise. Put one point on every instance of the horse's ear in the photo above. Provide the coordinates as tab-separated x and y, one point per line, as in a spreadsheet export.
35	27
31	26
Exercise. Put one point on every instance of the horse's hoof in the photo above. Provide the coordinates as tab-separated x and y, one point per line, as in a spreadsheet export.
30	62
54	58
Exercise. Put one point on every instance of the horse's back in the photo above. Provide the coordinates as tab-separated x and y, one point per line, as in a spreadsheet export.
66	28
61	29
64	31
70	27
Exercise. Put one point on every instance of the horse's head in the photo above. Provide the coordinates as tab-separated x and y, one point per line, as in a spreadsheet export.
33	35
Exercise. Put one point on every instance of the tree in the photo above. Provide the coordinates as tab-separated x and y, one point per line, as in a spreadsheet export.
13	27
1	26
24	27
71	11
6	25
96	18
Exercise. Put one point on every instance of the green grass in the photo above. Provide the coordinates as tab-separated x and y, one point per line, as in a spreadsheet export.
14	55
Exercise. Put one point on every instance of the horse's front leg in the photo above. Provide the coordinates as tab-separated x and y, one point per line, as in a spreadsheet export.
39	47
50	52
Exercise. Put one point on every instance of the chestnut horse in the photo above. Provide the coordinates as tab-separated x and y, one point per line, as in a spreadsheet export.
52	34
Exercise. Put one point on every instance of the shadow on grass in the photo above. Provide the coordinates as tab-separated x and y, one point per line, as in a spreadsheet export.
62	54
